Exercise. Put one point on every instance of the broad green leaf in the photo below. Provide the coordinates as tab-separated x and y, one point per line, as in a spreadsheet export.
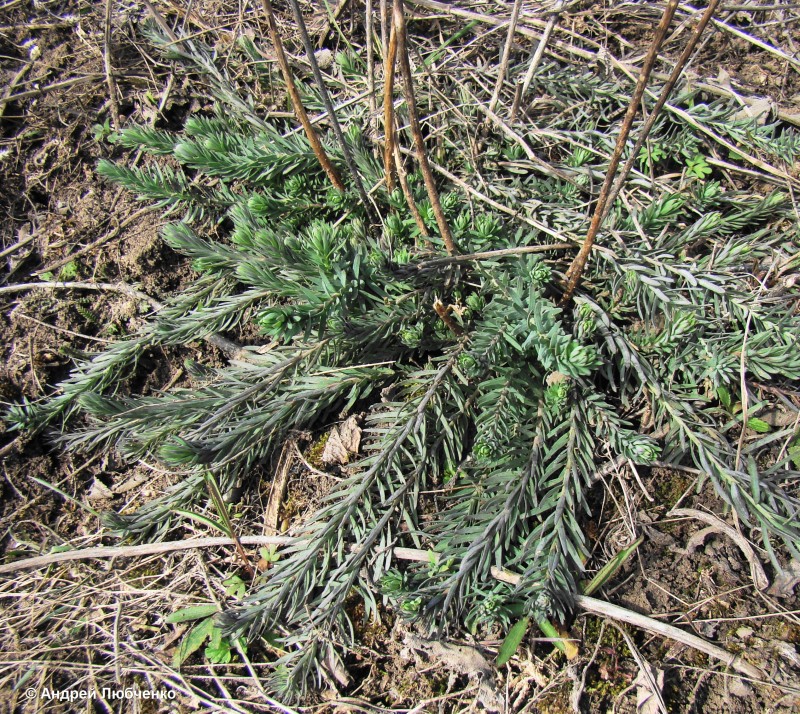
221	654
794	455
193	641
195	612
758	425
512	641
235	586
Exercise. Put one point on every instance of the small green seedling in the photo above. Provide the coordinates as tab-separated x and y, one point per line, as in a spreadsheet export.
220	648
698	167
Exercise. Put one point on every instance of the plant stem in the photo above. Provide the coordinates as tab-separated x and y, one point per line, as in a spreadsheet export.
492	254
662	100
297	102
373	107
573	275
326	100
413	117
131	551
222	507
388	109
412	206
501	75
444	315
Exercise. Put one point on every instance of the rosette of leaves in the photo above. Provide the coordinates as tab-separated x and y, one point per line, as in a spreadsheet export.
498	418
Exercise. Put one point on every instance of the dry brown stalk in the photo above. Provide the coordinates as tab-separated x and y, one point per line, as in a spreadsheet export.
134	551
326	100
621	614
49	88
110	81
384	27
537	55
662	100
109	235
615	612
388	108
416	132
492	254
331	21
297	103
546	168
230	348
573	275
412	206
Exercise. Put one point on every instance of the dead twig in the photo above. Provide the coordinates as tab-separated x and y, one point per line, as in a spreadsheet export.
575	270
297	102
12	85
229	347
492	254
110	81
113	233
545	168
536	57
373	106
20	243
443	311
408	85
388	109
662	100
49	88
406	188
326	100
136	551
615	612
331	20
736	32
501	75
78	285
278	487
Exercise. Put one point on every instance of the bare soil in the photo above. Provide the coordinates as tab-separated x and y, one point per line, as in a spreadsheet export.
88	624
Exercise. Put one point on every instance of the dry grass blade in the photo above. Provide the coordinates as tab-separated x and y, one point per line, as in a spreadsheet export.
330	20
49	88
373	106
278	488
110	81
756	568
137	551
774	51
621	614
540	47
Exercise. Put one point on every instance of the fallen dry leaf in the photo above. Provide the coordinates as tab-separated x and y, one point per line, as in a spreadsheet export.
343	441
